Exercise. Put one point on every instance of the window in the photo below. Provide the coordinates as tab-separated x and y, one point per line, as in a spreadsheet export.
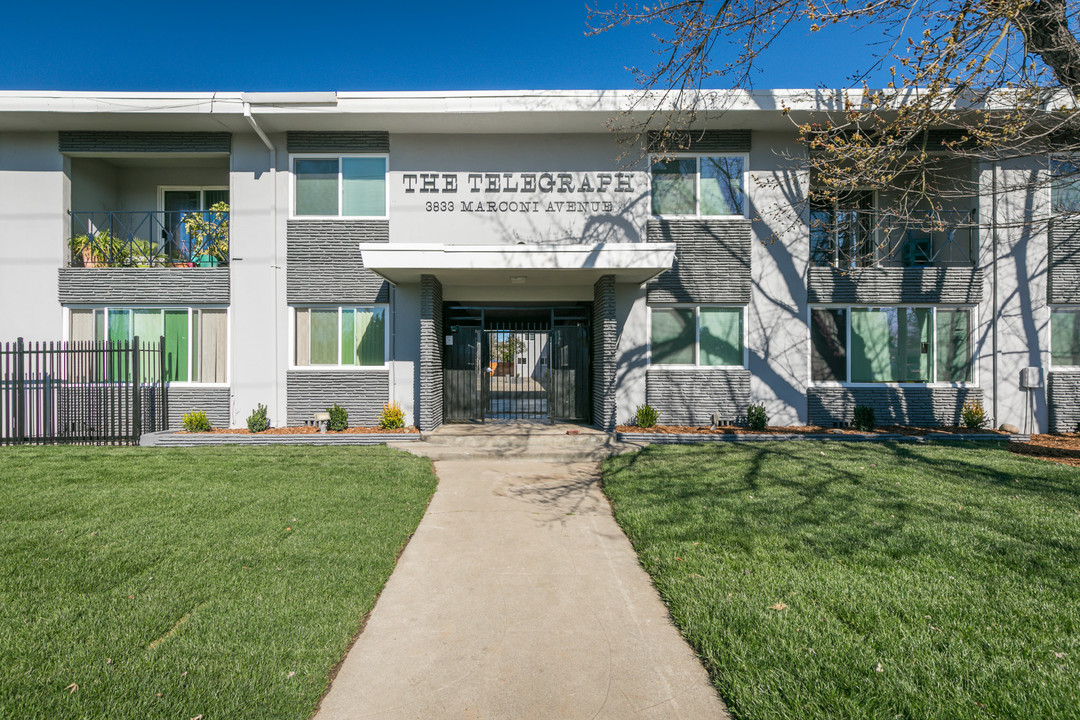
842	233
347	186
196	339
708	186
705	336
341	336
891	345
1064	185
1065	337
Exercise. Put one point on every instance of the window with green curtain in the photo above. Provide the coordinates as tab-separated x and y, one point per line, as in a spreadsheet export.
953	345
1064	185
1065	337
369	337
148	326
721	336
673	336
316	186
721	186
324	336
674	187
363	187
891	345
176	346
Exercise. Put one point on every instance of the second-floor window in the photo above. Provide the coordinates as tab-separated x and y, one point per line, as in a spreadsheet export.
1064	185
351	186
699	186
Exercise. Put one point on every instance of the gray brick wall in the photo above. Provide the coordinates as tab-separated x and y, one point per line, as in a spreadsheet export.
325	265
361	393
431	350
712	261
604	343
130	141
212	401
1063	400
886	286
363	141
917	406
689	396
1063	284
718	141
151	286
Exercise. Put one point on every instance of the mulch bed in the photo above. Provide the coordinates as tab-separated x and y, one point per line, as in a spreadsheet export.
309	430
1063	448
802	430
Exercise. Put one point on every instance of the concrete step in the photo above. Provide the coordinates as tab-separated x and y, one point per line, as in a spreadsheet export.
511	442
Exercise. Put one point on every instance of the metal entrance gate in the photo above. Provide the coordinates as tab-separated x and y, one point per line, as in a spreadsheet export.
515	371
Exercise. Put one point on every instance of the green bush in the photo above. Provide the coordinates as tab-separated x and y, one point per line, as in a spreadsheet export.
257	420
864	418
974	415
646	416
392	416
339	418
756	417
195	421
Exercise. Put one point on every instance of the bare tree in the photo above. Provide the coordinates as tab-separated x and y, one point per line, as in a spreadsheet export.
971	80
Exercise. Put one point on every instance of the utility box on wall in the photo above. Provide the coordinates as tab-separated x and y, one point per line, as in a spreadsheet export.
1031	377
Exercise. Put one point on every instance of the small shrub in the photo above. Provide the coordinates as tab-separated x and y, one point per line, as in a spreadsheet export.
195	421
756	417
392	416
646	416
339	418
864	418
257	420
974	415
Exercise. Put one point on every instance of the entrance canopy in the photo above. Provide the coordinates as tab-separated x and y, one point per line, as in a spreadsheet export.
518	264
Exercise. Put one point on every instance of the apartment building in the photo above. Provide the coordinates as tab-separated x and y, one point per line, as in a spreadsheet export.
479	256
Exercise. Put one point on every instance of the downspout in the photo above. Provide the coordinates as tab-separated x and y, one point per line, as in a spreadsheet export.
274	218
994	296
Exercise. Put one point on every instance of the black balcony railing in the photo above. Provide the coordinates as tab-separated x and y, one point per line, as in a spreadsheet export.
154	238
869	238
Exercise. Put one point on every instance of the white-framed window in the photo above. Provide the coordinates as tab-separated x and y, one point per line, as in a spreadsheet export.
345	186
1064	185
697	335
196	338
906	344
1065	337
700	185
340	336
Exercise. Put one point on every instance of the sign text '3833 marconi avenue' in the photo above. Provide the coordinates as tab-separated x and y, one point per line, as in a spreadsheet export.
520	192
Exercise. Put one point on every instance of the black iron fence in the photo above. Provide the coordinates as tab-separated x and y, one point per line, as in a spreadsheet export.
96	393
154	238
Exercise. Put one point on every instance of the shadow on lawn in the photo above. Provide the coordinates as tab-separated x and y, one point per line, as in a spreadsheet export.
840	499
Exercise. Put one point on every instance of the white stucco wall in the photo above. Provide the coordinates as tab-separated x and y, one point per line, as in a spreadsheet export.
33	193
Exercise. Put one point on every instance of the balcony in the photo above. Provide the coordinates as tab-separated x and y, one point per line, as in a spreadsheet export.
150	239
849	239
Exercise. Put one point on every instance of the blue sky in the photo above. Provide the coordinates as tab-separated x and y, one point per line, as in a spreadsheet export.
275	45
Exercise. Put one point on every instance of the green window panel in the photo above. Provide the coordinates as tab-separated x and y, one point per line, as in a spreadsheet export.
363	187
721	186
324	336
721	336
674	187
1065	337
953	345
363	332
316	186
176	346
673	336
891	345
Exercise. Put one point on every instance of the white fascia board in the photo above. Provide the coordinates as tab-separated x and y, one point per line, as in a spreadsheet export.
629	262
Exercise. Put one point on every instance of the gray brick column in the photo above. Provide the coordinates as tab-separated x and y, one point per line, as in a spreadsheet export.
603	353
430	414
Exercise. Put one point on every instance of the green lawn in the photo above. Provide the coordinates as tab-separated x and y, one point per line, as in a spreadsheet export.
919	581
216	582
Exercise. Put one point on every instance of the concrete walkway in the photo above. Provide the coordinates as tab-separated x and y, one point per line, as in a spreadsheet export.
519	597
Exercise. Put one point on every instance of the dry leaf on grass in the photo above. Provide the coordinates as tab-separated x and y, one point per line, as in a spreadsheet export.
72	688
778	607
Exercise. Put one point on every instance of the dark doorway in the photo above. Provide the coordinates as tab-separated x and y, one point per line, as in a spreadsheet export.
516	363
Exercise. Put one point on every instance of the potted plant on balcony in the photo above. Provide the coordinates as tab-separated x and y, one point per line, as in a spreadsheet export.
102	250
209	234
